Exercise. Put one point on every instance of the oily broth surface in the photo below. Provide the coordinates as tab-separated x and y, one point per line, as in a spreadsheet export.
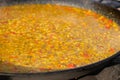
35	37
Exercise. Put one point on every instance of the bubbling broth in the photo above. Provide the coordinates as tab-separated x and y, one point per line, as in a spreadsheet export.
46	37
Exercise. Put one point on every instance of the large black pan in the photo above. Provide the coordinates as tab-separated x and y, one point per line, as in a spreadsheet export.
70	73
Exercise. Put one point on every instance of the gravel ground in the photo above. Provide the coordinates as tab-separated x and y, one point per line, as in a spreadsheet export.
110	73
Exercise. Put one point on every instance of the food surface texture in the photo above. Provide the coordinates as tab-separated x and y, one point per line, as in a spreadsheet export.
49	37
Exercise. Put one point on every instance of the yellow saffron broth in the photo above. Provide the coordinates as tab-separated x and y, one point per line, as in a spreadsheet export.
36	37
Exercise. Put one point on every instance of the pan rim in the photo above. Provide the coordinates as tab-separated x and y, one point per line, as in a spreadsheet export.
76	68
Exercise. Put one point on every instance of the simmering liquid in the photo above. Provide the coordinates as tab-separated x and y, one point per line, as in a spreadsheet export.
36	37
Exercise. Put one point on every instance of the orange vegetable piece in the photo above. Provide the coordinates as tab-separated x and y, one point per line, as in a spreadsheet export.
4	22
13	33
13	56
110	21
107	26
86	55
71	65
69	9
112	50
